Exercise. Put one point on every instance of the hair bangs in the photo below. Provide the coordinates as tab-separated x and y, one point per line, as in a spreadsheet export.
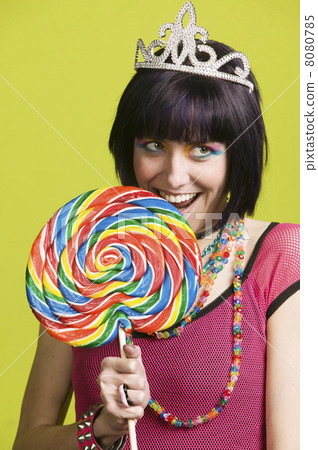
193	115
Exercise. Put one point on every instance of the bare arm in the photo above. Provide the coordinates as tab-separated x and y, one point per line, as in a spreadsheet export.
282	377
49	390
46	399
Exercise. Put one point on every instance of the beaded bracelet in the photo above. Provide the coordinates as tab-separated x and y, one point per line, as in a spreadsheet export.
85	435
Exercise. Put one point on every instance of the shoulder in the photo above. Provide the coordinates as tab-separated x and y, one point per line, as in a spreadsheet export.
275	263
273	236
285	230
282	238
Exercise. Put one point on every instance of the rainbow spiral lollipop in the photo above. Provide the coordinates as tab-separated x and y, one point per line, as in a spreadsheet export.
110	257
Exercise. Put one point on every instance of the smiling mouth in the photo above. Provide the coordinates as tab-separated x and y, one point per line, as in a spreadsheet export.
180	201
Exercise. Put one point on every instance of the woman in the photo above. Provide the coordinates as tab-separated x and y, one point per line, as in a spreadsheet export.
197	141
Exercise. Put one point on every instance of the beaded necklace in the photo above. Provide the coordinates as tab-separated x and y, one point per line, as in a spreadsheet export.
221	248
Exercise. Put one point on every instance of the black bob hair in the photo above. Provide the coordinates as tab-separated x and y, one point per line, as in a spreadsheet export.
178	106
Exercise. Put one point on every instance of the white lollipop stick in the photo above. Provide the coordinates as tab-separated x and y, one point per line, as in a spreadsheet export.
131	422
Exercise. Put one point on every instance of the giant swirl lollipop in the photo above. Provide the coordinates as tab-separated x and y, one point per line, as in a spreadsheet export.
113	259
110	257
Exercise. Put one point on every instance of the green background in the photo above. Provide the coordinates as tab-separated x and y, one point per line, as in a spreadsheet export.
71	60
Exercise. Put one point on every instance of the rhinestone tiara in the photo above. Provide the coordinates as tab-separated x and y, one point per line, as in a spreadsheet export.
186	37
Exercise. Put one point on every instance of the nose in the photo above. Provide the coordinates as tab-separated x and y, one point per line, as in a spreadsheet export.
177	170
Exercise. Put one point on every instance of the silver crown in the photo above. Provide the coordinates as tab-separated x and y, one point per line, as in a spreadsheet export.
186	37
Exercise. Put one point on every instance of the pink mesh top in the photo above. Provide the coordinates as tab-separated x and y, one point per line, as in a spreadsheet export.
187	374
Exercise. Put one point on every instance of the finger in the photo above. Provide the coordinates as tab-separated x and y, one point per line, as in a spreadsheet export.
110	383
132	351
134	396
118	410
133	382
122	365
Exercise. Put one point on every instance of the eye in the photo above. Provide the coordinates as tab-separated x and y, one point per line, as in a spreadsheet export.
202	152
153	146
206	151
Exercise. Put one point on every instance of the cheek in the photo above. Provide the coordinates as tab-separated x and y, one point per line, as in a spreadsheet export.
142	170
215	177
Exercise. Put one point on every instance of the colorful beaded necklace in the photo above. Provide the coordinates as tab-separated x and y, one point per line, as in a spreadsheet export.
220	249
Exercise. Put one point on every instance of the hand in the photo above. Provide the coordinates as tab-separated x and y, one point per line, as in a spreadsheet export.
114	372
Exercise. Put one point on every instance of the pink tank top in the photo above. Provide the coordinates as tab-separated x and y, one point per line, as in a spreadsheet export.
187	374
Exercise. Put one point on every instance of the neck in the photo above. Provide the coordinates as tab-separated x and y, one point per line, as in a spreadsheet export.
203	234
209	230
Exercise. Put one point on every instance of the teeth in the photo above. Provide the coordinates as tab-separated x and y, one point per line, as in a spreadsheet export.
177	198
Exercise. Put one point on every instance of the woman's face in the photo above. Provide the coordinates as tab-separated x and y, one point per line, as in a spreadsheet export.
191	176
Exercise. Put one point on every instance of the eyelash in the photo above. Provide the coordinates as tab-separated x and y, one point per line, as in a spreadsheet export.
211	151
146	146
